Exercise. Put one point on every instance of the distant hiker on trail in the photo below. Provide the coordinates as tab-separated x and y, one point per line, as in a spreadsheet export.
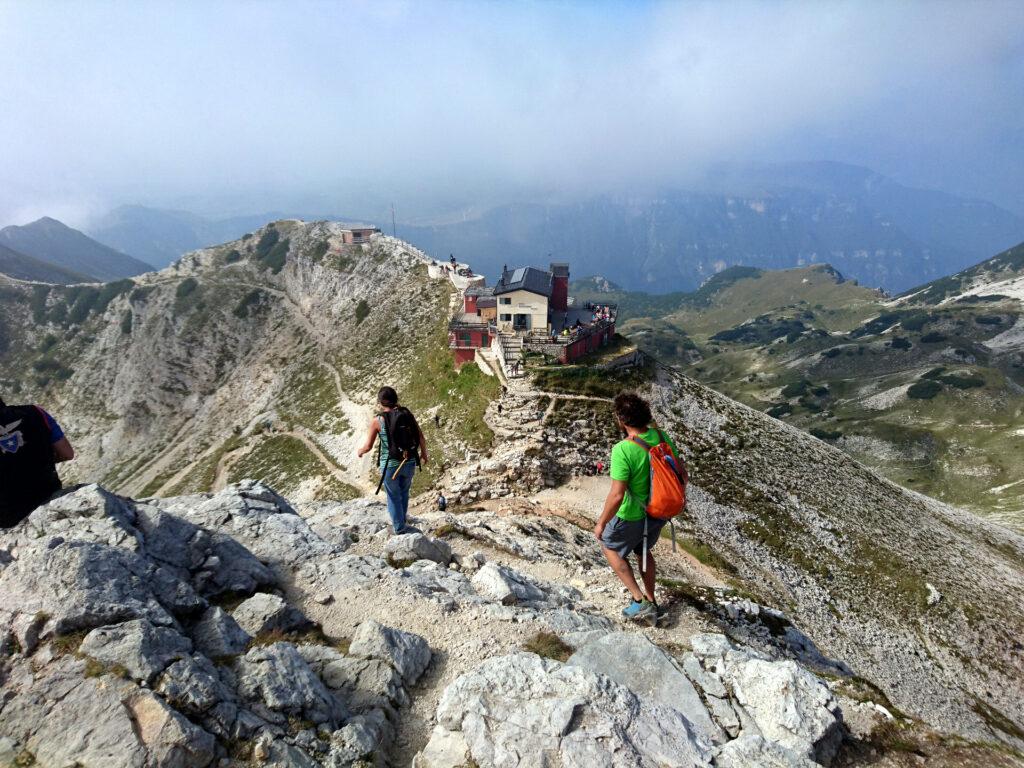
31	446
634	514
402	448
437	420
499	409
442	503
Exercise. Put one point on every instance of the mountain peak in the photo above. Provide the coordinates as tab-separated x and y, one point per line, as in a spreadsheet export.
52	241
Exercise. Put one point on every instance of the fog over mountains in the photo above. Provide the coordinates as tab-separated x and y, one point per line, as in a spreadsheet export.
867	226
778	216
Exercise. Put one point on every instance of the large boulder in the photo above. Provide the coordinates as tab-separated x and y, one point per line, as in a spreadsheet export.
63	717
193	686
218	635
779	700
409	654
278	683
757	752
264	613
81	585
169	738
789	705
142	649
259	520
520	711
509	587
630	659
417	546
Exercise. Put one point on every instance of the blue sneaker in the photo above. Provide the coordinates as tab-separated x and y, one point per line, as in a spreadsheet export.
640	610
632	609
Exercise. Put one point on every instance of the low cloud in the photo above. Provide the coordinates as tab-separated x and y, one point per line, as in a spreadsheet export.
154	101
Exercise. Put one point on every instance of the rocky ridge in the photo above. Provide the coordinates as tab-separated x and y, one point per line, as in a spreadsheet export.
217	629
259	357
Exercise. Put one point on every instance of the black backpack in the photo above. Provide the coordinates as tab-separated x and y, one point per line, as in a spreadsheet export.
403	434
28	473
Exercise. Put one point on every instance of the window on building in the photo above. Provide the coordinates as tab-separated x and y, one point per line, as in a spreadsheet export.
506	318
465	339
506	300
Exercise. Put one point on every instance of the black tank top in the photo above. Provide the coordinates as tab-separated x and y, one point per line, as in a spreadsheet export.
28	471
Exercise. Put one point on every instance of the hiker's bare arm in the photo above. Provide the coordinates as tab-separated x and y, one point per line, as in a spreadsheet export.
62	450
424	458
371	436
611	505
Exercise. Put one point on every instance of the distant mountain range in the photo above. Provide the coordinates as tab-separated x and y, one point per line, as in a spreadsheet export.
161	236
65	254
780	216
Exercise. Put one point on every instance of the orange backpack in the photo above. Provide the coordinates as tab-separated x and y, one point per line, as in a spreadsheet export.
668	480
668	487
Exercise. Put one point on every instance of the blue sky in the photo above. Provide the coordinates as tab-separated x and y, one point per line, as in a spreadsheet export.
228	105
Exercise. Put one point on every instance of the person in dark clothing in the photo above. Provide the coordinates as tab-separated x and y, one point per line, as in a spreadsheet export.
31	446
396	474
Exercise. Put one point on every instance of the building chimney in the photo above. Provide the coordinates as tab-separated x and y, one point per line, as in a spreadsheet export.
559	287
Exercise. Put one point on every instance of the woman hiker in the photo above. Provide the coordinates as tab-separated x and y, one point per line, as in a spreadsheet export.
620	529
402	448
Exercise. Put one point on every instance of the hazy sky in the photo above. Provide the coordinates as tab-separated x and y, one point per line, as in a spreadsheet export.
223	105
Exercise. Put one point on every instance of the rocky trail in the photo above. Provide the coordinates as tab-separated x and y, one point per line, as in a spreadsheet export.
230	627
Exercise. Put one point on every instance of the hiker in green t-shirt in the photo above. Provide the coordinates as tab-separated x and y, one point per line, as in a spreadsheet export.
620	529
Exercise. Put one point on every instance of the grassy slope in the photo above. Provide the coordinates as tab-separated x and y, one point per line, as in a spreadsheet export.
958	446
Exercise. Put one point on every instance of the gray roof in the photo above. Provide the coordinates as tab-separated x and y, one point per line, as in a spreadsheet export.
525	279
479	290
559	269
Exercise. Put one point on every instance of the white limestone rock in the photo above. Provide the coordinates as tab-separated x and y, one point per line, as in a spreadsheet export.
142	649
515	711
418	546
789	705
193	686
631	660
277	682
218	635
264	612
408	653
756	752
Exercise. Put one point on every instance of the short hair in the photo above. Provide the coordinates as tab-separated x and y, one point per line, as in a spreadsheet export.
633	410
387	397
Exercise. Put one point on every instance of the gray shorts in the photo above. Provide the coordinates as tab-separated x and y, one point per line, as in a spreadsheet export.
627	536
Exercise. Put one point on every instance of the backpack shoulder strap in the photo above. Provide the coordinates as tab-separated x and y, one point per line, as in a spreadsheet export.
642	443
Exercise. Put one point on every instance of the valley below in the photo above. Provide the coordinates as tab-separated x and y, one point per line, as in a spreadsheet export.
926	388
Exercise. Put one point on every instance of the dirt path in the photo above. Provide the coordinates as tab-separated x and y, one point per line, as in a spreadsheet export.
462	640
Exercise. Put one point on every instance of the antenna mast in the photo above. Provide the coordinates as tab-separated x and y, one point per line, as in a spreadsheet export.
394	228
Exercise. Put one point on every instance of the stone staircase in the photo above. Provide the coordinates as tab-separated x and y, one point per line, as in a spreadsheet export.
510	353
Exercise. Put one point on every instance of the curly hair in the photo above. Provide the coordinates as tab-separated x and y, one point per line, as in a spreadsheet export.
387	397
633	410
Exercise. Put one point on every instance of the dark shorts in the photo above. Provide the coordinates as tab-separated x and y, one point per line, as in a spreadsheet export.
627	536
